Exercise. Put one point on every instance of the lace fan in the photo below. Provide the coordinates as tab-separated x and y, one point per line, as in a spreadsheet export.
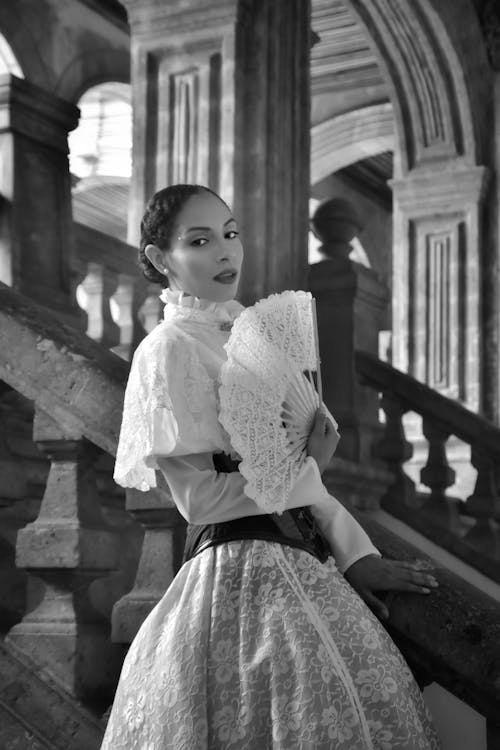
268	400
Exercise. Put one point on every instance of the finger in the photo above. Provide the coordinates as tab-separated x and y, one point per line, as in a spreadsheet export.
408	587
420	579
403	571
329	428
376	605
418	565
319	422
403	583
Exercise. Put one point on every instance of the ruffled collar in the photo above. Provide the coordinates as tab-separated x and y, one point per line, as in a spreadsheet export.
219	314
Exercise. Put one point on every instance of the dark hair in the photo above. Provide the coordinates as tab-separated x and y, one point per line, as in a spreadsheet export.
158	223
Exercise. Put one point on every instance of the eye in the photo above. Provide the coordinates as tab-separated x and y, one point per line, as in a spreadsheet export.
232	234
199	241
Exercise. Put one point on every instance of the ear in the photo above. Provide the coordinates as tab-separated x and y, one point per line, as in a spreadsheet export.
156	257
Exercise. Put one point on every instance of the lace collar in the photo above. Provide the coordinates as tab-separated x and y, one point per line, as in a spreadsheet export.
181	305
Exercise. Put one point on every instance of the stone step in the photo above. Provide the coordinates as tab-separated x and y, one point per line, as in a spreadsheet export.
36	713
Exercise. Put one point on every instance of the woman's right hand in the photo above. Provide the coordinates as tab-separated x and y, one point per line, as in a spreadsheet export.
322	440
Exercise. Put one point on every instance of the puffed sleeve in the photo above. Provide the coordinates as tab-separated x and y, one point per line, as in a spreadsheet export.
170	408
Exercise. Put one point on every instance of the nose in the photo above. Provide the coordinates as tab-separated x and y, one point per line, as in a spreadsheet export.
226	250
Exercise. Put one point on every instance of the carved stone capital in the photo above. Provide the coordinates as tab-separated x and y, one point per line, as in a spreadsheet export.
31	111
155	17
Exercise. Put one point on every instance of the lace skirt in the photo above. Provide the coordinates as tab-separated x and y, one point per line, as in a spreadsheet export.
256	645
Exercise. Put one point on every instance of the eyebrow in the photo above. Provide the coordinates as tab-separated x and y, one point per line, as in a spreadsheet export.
208	229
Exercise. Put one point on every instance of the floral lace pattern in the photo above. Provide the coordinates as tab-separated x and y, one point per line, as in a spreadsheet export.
170	407
257	646
270	346
171	401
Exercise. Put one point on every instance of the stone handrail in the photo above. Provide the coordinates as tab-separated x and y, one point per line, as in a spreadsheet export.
94	247
467	528
418	397
77	387
450	636
64	372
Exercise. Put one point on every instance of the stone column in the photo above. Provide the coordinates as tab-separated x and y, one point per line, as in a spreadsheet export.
351	304
490	21
36	227
161	556
221	97
67	547
437	284
438	300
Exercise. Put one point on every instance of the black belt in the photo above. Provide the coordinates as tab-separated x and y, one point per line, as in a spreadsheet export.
295	528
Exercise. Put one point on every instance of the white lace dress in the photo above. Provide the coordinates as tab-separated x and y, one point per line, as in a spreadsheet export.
255	645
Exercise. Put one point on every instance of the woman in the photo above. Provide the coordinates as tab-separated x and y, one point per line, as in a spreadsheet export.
259	642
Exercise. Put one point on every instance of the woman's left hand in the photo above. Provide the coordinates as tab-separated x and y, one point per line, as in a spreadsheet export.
372	573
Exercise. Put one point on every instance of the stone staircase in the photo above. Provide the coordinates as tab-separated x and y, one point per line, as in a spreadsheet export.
37	713
60	656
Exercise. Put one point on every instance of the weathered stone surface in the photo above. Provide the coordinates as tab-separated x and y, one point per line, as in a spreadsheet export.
351	303
69	376
452	634
231	80
161	551
34	699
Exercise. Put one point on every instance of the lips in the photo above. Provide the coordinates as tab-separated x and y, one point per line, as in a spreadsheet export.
228	276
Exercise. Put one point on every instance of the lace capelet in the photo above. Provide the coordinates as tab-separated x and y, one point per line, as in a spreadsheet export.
171	401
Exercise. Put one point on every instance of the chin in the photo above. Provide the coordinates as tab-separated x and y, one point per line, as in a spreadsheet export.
225	293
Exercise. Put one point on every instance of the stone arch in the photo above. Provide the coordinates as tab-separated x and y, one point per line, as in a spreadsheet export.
101	158
86	71
22	45
437	77
347	138
92	52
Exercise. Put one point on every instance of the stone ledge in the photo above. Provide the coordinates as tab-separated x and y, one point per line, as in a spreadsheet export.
452	635
72	378
39	704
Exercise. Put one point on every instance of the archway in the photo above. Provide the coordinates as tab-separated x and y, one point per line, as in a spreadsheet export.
439	93
101	158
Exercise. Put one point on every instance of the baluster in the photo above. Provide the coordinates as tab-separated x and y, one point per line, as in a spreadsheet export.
68	547
160	559
93	296
394	449
483	505
121	311
151	310
438	475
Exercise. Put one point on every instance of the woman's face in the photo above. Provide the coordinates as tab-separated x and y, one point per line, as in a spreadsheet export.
205	255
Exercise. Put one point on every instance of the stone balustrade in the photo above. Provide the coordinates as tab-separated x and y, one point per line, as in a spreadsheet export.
470	528
77	387
121	306
71	548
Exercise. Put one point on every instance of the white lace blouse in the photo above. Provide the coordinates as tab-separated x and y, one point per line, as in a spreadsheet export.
170	423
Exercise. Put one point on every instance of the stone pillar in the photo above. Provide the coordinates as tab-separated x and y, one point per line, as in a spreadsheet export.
221	97
68	547
161	557
490	20
351	304
438	301
436	290
36	227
